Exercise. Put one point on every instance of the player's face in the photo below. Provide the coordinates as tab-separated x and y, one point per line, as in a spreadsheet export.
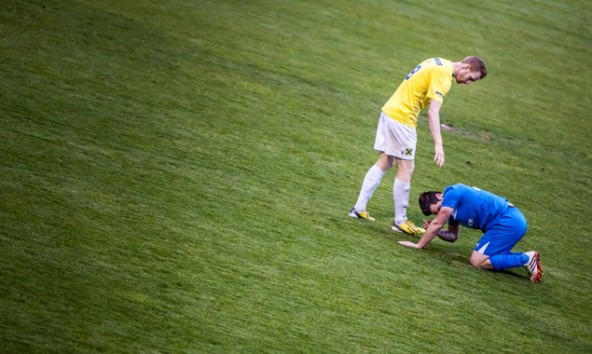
466	76
435	208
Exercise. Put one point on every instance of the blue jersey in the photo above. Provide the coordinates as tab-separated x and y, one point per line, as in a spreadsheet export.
474	207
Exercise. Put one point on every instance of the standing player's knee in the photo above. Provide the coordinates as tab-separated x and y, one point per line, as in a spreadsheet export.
385	162
405	169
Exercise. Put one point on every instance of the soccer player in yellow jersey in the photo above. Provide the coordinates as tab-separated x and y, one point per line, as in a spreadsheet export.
396	137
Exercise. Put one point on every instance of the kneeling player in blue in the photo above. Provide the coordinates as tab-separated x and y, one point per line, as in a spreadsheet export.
503	225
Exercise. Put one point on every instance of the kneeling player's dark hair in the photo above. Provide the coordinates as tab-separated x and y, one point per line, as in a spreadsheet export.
426	199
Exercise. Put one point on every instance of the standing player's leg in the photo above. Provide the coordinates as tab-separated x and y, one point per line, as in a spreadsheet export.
400	143
369	185
402	189
375	173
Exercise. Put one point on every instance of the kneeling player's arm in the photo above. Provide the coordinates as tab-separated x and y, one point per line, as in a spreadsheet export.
435	226
451	234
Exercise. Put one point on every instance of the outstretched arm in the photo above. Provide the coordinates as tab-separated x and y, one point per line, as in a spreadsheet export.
434	124
433	229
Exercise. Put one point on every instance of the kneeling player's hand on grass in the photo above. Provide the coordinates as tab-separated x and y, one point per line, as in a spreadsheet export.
408	244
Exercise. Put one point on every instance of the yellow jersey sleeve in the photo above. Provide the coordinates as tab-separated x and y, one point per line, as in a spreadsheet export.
430	80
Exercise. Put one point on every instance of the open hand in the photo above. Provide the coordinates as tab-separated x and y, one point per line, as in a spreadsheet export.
408	244
439	157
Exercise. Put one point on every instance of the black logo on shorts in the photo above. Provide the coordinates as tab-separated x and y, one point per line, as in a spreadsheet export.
408	152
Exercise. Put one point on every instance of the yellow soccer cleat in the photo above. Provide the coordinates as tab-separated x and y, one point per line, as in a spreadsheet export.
360	215
409	228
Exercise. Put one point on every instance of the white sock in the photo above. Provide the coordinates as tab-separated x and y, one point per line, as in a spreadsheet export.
401	197
371	182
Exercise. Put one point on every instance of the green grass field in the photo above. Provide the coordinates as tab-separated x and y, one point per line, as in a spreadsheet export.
176	176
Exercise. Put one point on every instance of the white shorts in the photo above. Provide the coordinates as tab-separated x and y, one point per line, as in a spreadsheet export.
395	139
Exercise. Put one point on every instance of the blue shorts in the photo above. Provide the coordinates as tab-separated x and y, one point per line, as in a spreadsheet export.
503	234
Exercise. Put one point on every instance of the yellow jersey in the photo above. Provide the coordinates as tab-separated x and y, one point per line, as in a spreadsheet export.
430	80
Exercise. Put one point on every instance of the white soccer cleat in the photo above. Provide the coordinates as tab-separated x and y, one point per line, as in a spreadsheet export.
534	266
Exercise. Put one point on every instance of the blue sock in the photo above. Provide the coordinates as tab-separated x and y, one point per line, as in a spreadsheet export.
508	260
